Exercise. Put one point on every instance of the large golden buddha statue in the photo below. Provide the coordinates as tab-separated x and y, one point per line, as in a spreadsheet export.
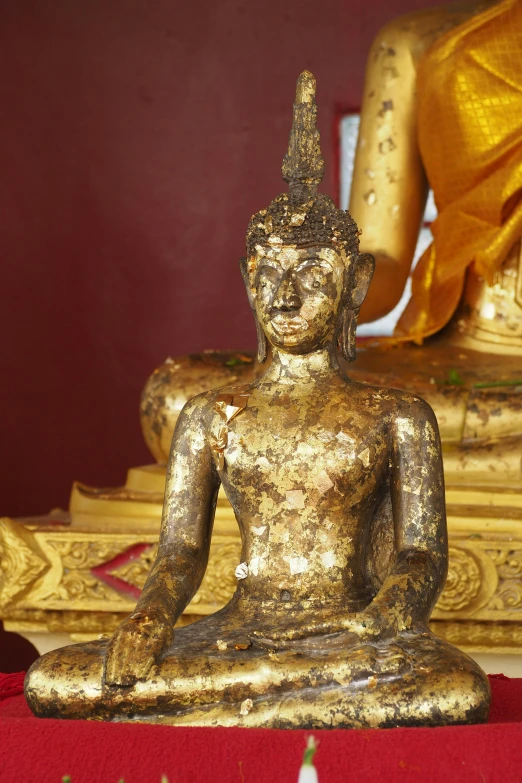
338	490
442	108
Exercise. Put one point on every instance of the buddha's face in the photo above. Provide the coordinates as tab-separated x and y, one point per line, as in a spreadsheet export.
296	292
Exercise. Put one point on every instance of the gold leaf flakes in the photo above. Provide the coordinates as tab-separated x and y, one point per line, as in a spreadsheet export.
364	456
328	559
323	482
275	241
246	706
298	218
243	644
298	565
295	498
241	571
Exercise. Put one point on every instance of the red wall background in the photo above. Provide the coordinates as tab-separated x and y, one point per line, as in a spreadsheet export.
136	139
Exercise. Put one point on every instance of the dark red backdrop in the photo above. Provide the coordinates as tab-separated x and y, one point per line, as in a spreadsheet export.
136	139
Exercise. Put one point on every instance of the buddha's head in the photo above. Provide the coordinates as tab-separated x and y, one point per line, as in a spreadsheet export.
305	277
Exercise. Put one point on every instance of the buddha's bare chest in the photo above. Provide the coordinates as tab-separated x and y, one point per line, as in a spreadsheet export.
300	457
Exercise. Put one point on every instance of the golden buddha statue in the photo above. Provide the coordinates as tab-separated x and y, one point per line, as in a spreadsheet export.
338	490
442	106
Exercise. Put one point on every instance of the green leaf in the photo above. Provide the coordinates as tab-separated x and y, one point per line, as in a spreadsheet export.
235	360
497	384
454	378
311	747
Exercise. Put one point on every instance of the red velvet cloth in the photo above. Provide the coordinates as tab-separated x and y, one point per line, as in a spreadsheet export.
11	684
41	751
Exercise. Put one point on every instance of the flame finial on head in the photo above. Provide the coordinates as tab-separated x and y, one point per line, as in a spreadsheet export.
303	164
302	216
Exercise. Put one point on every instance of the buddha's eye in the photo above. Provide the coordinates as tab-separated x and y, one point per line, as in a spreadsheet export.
267	277
313	276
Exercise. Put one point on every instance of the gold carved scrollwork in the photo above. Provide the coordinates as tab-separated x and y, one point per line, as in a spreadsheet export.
509	569
78	555
508	563
485	637
472	581
218	584
509	596
136	571
77	582
21	562
462	583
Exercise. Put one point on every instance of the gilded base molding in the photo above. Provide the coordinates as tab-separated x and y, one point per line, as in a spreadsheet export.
481	637
80	573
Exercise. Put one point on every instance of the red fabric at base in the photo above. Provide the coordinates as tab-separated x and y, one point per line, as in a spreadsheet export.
42	751
11	684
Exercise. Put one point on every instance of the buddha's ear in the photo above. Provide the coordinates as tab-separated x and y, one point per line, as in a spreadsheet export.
243	265
261	338
362	273
358	279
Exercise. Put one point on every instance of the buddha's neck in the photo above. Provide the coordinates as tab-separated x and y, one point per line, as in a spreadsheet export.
309	367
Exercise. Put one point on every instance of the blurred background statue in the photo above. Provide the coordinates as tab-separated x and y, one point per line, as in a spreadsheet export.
442	107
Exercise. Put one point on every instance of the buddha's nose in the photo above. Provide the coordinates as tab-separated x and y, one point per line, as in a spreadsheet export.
286	297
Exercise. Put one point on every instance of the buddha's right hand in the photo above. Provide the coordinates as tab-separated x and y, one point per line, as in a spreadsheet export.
135	647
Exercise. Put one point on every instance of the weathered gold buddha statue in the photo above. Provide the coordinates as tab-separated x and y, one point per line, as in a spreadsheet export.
442	107
338	490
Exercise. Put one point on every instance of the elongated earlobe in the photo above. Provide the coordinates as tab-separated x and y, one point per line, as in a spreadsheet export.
346	334
261	338
356	282
261	342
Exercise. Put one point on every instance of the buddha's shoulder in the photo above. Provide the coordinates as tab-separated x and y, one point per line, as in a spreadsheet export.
212	401
413	33
394	403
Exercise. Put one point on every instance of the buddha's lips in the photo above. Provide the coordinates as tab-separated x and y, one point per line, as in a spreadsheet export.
285	324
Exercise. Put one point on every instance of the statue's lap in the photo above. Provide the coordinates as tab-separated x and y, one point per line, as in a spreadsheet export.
69	681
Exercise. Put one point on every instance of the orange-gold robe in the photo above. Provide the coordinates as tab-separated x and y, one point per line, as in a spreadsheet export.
470	139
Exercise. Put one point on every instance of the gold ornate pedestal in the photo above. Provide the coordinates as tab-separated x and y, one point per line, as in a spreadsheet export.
81	573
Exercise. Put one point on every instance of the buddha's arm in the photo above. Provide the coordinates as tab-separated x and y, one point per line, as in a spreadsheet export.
389	187
410	591
188	513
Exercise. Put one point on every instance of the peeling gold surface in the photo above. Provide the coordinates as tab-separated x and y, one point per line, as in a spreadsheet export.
338	491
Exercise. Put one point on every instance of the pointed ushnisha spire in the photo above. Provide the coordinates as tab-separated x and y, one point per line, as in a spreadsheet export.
302	217
303	165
